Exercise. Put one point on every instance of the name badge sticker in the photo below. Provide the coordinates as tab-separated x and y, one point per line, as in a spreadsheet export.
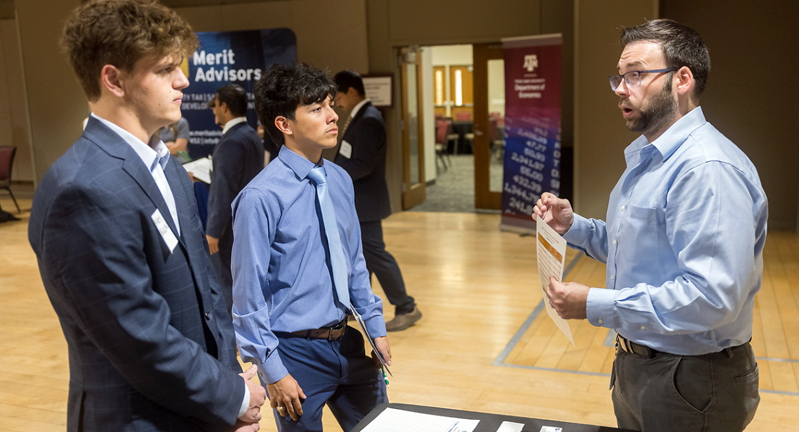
345	149
166	232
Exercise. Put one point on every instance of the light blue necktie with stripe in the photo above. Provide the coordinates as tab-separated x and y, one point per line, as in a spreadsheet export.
335	251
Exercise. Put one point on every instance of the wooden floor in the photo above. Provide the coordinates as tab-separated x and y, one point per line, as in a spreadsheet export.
484	344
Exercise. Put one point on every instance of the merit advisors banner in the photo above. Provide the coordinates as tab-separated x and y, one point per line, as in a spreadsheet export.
236	57
532	126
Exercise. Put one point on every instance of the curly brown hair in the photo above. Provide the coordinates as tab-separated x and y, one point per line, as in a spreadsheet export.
120	33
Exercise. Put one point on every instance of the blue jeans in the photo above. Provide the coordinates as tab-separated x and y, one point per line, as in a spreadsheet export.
337	373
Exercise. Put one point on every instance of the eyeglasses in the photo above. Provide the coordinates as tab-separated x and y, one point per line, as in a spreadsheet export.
633	78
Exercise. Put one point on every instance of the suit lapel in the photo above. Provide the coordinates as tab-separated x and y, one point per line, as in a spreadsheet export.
183	196
114	145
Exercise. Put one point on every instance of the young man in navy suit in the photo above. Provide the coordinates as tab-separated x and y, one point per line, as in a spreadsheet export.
237	158
362	153
119	244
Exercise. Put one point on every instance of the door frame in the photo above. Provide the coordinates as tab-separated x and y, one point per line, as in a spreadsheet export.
413	194
484	198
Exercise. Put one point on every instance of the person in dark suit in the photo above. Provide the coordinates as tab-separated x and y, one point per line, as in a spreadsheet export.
120	248
362	153
237	158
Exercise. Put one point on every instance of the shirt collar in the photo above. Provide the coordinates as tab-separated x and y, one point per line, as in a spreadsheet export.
358	107
297	163
668	142
232	123
154	152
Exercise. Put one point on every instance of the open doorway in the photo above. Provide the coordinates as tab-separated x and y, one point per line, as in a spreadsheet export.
464	103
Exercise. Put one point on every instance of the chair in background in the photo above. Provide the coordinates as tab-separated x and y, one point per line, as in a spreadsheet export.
463	116
497	142
7	154
443	136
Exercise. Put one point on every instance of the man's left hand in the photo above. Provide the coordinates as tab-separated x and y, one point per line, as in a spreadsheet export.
213	244
381	343
568	299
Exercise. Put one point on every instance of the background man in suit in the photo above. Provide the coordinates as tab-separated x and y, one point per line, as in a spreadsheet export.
120	248
237	158
362	153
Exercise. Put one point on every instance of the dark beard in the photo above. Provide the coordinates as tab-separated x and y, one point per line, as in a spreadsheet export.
659	113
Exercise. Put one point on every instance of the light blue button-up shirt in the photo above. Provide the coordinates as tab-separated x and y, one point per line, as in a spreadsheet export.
683	242
281	280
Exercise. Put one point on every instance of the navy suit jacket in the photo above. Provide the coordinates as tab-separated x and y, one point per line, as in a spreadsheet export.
151	346
237	158
366	133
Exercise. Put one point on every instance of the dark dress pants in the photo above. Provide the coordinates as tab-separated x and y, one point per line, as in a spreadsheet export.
337	373
380	262
221	262
671	393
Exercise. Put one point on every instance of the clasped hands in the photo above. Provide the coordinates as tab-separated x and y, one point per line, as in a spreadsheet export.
248	422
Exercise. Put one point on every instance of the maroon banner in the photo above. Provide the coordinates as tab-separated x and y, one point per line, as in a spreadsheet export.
532	126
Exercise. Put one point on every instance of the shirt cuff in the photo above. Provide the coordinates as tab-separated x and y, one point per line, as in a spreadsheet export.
272	370
599	307
245	403
376	326
579	230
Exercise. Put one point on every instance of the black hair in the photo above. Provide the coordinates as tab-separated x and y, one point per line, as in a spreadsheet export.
234	96
682	46
348	78
284	88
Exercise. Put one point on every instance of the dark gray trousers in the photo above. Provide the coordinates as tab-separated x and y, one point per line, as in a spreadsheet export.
709	393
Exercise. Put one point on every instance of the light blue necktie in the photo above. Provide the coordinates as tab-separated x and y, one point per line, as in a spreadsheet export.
335	251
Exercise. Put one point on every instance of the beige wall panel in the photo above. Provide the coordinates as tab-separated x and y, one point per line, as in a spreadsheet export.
752	92
13	107
453	21
329	34
56	102
599	133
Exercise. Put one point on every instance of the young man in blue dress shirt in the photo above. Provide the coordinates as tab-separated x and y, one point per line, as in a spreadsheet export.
683	243
286	313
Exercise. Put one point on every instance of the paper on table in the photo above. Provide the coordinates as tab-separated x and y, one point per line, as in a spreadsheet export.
551	253
396	420
507	426
200	169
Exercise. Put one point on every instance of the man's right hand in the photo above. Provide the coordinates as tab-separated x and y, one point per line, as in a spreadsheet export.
556	212
286	393
257	398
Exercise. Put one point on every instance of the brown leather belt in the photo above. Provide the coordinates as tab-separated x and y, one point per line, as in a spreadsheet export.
631	347
329	333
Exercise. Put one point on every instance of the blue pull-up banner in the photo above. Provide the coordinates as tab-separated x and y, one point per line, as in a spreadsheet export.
236	57
532	126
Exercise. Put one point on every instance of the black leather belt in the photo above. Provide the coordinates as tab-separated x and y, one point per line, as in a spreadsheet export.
631	347
329	333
